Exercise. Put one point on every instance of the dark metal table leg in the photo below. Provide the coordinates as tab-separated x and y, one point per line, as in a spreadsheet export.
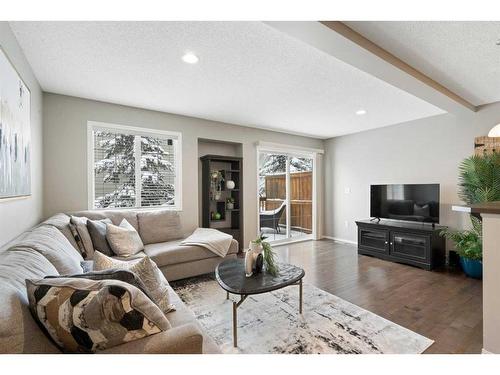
300	296
235	319
235	323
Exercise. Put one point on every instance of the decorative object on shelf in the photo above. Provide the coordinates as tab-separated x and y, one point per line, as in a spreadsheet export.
268	254
15	132
230	203
486	145
216	183
217	216
230	185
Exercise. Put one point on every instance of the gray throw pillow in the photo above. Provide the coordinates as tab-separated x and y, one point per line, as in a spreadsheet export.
124	239
97	231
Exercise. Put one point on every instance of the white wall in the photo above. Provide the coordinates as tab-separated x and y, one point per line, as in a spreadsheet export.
19	214
65	152
421	151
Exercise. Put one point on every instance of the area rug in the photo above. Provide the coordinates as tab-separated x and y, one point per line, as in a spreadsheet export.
270	322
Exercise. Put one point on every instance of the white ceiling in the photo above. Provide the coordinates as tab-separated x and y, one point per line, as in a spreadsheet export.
462	56
248	74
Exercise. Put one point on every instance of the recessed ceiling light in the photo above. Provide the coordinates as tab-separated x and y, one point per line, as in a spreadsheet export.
190	58
361	112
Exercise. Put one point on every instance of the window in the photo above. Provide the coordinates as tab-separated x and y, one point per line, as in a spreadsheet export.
133	167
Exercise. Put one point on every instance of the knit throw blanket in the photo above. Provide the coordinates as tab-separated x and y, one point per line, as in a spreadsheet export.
211	239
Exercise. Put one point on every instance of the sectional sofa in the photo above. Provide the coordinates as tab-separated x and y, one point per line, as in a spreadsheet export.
50	249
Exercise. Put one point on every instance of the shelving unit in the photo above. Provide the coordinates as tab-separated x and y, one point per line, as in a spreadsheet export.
231	220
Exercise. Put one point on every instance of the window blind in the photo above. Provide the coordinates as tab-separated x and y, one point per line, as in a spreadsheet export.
133	170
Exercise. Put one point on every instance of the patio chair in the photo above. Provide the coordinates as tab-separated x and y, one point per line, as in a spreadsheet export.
271	218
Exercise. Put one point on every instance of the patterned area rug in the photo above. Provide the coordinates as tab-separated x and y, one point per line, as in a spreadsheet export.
270	322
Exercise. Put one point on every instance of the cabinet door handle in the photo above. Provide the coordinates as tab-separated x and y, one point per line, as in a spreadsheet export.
391	243
386	242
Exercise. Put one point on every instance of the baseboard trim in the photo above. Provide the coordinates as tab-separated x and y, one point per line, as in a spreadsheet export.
340	240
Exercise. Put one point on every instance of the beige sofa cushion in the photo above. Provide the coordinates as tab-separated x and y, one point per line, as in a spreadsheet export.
168	253
159	226
19	332
62	222
53	245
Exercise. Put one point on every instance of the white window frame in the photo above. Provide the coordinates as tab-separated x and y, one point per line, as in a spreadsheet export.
103	126
312	153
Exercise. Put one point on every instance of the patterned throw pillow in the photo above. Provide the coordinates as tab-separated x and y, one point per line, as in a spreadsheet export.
124	239
86	316
148	272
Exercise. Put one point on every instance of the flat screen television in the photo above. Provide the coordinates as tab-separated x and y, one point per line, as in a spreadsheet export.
408	202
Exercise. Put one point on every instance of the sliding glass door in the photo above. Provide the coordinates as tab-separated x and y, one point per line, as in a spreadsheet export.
286	184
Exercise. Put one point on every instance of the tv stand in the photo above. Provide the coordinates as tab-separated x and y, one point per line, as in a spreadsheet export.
416	244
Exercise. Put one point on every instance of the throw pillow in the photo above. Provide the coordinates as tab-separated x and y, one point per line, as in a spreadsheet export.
97	231
421	210
148	272
124	239
80	224
85	316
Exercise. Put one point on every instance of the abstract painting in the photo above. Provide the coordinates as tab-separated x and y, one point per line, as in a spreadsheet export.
15	132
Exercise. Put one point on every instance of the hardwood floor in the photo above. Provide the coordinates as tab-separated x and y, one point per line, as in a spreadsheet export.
444	305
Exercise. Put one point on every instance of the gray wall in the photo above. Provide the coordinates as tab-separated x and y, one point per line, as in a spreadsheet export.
65	152
421	151
19	214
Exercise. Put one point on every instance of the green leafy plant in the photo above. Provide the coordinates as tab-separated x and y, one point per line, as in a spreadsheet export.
468	243
268	254
479	179
230	200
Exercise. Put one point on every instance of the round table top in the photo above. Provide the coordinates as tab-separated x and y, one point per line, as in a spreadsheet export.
231	276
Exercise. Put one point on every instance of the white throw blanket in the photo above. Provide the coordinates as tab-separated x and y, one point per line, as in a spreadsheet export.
212	239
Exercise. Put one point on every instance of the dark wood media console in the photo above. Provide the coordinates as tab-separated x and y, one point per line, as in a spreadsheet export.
416	244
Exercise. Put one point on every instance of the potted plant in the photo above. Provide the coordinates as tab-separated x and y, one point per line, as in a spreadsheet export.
268	254
230	203
479	181
469	246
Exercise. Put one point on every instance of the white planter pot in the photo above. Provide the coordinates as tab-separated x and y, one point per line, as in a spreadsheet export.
230	206
255	247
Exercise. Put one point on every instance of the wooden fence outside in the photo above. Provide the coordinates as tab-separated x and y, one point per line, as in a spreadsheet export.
300	196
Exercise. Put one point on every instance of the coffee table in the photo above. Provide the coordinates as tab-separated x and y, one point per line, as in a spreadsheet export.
231	277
